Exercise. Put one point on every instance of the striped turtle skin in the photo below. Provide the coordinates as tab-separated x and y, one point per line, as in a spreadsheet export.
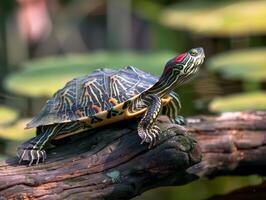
106	96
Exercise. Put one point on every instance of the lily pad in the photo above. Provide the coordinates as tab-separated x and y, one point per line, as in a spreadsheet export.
239	102
246	64
230	18
7	115
43	77
17	132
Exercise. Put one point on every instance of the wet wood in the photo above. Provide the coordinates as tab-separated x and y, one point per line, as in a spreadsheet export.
110	163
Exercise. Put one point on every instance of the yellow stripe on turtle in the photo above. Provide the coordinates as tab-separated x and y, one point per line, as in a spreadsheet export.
122	114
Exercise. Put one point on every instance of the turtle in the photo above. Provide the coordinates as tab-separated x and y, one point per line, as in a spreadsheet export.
110	95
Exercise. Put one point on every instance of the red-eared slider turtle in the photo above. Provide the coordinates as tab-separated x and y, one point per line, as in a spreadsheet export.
106	96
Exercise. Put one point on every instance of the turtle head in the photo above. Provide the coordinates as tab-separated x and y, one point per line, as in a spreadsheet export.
183	67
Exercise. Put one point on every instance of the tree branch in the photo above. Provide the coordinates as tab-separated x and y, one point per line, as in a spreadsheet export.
110	163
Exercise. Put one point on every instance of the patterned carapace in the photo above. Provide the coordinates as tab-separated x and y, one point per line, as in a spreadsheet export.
88	95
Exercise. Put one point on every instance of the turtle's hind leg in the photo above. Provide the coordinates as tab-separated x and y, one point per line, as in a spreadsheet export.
147	129
32	150
172	110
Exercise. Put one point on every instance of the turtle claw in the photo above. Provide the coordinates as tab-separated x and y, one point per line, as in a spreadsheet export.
150	136
179	120
144	138
31	155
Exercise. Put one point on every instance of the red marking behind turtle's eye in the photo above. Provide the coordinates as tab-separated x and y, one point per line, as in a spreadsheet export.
181	57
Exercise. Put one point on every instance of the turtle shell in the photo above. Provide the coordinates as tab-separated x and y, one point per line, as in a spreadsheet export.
89	95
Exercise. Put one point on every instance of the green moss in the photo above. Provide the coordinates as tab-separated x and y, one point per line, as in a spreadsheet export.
185	143
219	19
43	77
246	64
239	102
7	115
17	132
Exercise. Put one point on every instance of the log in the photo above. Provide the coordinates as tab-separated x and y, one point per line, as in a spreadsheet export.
110	163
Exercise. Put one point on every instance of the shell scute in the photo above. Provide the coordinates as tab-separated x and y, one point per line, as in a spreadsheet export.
91	94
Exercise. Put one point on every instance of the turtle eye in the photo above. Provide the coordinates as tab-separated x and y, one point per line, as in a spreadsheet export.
193	52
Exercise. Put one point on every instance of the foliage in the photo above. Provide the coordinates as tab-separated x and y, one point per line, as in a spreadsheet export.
7	5
16	132
239	102
247	64
7	115
225	18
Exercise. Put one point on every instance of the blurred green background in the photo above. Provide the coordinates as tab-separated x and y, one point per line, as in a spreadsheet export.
43	44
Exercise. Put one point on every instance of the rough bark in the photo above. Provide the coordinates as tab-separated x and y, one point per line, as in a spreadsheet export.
110	163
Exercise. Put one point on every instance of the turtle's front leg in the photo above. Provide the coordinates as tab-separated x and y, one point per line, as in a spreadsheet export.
172	110
147	129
